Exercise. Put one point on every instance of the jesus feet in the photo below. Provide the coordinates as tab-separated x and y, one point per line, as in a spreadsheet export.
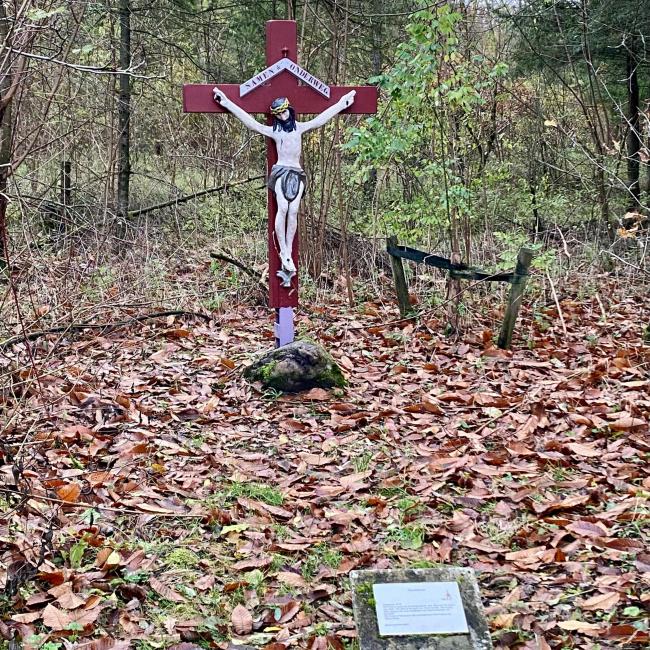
287	263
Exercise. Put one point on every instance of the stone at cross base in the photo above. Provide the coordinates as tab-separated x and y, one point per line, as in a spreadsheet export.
295	367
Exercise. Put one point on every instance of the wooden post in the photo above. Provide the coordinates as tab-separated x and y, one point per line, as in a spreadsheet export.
454	289
519	279
401	288
66	188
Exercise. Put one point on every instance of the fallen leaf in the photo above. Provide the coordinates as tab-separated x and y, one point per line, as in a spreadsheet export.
526	555
587	529
65	597
59	620
293	579
242	621
557	506
166	592
105	643
205	582
602	601
579	626
504	620
627	424
56	619
70	492
284	613
107	558
587	451
625	544
149	507
253	563
28	617
316	460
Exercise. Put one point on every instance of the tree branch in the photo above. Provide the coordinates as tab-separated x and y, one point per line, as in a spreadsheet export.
240	265
76	327
88	68
195	195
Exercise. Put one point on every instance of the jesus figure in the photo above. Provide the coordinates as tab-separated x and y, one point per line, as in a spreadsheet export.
287	178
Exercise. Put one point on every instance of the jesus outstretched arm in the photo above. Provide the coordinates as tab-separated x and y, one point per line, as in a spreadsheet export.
246	119
329	113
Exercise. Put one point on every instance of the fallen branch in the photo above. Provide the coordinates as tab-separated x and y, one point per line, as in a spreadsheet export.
101	506
557	305
240	265
195	195
76	327
620	259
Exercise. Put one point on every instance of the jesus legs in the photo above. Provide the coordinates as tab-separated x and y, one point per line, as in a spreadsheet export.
286	223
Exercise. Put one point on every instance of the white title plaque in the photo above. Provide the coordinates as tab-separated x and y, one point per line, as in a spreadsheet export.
405	608
278	67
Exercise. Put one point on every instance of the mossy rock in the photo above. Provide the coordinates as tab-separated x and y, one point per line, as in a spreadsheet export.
299	366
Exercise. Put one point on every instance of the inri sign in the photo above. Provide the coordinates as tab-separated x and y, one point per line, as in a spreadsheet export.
276	69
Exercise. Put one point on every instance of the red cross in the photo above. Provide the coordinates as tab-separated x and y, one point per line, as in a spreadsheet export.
281	42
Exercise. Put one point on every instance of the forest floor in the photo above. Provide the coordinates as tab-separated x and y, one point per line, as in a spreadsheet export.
166	503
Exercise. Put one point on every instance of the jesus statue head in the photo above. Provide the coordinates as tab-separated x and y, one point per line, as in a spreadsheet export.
284	115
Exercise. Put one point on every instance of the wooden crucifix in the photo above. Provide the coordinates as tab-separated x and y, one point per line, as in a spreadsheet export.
282	90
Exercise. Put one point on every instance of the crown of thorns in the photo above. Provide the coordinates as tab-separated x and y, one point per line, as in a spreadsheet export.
279	105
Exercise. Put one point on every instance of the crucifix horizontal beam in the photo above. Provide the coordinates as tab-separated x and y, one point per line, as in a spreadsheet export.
197	98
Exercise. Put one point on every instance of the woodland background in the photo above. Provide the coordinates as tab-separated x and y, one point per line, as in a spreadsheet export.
501	123
151	498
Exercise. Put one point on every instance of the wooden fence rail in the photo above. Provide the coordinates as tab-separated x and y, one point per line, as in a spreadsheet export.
517	280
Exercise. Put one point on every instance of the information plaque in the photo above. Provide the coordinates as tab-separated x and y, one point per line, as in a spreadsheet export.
419	609
405	608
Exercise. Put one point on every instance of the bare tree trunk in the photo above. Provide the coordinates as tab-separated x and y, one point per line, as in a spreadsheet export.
376	59
633	136
6	132
124	114
596	119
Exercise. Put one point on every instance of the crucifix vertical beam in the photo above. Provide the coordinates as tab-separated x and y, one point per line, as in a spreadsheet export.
281	42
